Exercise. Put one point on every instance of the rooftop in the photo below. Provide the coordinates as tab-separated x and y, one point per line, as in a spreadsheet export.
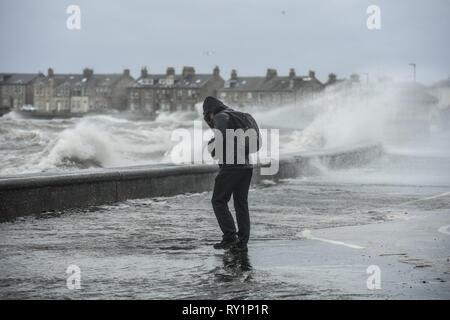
277	83
175	81
81	79
17	78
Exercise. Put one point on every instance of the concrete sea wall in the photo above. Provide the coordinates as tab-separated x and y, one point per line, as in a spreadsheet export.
30	194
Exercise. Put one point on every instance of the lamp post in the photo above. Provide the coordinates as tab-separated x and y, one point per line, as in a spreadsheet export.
414	76
414	71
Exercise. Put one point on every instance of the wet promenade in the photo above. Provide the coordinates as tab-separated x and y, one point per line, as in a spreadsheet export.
311	238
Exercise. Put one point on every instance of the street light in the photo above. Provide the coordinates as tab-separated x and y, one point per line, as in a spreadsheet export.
414	68
414	84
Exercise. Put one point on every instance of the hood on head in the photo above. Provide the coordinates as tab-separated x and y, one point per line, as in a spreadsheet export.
213	105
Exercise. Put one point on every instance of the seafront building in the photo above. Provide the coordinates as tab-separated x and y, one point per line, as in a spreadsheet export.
151	93
16	89
63	94
271	89
80	93
76	94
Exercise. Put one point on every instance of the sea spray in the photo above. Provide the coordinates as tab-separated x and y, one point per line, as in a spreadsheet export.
84	146
337	117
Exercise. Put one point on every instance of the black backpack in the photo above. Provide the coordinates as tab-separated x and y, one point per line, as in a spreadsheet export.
245	121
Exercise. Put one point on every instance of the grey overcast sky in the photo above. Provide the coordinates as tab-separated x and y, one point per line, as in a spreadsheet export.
250	36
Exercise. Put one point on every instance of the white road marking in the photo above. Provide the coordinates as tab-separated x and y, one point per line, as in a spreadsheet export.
444	229
424	199
307	234
401	216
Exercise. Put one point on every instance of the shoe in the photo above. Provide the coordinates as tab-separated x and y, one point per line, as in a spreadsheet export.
240	247
225	244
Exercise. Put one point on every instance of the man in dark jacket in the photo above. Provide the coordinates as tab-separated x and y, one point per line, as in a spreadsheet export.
233	179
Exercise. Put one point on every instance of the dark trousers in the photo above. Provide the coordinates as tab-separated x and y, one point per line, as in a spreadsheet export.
234	182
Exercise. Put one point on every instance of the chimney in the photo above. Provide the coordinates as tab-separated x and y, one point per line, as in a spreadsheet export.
216	71
50	72
331	78
87	72
188	71
233	74
170	71
126	72
144	72
292	73
271	73
354	77
312	74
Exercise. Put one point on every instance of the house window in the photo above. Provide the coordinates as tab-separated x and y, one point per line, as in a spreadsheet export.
189	93
223	95
146	81
249	96
260	97
169	81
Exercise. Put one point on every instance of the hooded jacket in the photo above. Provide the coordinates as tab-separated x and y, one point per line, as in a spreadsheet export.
222	121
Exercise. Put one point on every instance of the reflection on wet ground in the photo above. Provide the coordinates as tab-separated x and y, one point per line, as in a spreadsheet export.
235	265
162	248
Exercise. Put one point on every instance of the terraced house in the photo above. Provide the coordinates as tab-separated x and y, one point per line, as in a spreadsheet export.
269	90
59	94
111	91
170	92
16	89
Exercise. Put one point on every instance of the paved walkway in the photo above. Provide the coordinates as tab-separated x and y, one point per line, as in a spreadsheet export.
310	239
